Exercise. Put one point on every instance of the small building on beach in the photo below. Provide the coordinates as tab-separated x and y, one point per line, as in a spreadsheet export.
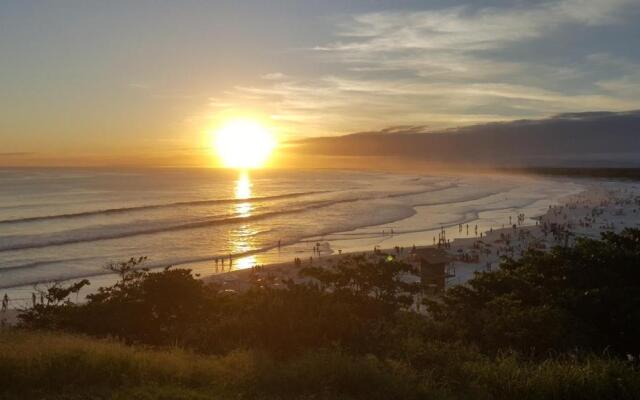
433	266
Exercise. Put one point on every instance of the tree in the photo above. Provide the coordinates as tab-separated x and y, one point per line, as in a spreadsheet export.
382	279
47	314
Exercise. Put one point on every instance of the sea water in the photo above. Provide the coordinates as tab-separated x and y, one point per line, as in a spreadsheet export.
61	224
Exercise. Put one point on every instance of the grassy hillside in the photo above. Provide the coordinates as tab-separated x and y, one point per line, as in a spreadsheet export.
62	366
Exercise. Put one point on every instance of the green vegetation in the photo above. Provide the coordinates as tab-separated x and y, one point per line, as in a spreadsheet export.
61	366
556	325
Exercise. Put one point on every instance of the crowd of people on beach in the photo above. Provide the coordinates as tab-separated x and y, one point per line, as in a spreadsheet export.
587	214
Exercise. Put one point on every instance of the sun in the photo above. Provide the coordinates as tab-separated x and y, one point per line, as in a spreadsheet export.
243	143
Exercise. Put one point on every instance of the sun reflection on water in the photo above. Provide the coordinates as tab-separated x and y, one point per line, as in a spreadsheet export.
241	238
243	186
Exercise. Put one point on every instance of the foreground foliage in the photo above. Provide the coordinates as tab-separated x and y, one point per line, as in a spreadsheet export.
586	297
550	325
62	366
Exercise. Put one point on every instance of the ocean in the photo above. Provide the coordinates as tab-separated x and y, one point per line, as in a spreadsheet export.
62	224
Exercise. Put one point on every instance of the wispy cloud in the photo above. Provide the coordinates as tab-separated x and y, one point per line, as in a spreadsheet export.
625	76
464	29
446	67
274	76
455	42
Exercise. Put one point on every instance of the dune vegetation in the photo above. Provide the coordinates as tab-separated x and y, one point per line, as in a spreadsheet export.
53	365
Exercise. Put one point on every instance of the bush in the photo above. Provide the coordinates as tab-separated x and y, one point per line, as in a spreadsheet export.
584	297
142	307
173	308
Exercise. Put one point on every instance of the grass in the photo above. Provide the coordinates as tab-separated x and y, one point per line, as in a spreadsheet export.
39	365
588	378
35	364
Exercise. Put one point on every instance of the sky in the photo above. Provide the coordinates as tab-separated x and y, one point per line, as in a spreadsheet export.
125	82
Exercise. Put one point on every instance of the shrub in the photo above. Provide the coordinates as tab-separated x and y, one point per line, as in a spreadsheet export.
584	296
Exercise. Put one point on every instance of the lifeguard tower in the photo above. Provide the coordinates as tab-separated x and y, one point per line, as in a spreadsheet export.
433	264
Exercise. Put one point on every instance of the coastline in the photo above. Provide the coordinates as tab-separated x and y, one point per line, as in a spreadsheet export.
490	212
589	213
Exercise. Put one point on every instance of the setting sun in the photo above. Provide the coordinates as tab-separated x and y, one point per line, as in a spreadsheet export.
243	143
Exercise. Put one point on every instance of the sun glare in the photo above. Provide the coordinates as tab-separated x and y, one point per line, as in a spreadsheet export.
243	143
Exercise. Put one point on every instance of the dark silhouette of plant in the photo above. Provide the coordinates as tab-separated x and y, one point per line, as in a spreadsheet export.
382	279
585	296
45	314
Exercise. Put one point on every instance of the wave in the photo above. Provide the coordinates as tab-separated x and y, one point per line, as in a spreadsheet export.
84	235
111	211
81	236
479	196
465	216
170	262
38	264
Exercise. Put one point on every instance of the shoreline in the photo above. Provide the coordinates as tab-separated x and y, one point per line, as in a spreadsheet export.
585	214
408	232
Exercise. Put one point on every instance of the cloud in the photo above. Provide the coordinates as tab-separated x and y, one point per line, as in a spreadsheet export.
274	76
334	104
584	139
446	67
460	42
464	28
626	83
